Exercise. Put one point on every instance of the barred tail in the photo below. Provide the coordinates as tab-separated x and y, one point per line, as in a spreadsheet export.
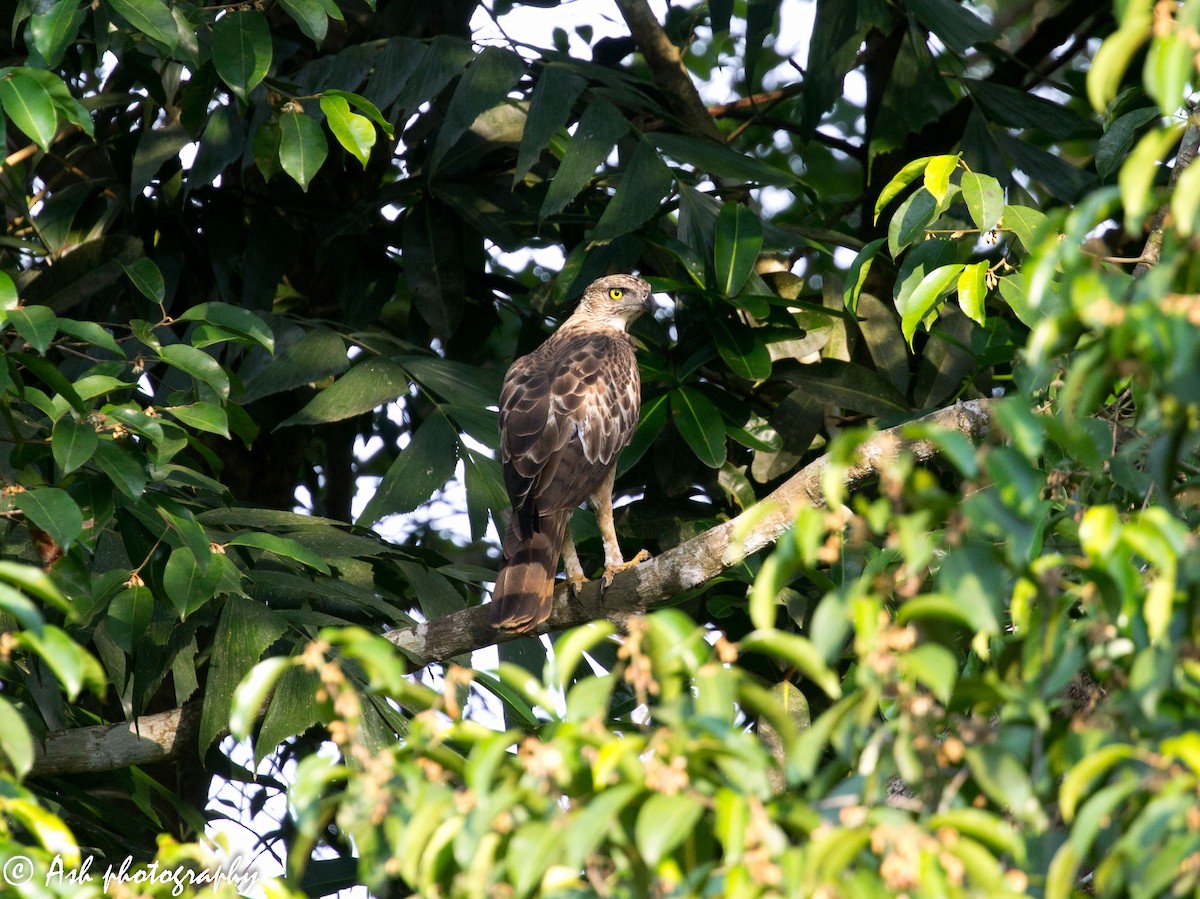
524	593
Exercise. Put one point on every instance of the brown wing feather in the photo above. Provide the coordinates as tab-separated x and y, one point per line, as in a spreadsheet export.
566	411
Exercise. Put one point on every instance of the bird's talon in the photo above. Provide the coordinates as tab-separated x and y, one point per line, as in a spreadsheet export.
576	584
612	571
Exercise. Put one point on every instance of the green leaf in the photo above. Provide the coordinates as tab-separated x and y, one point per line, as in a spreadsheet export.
302	147
956	25
129	615
739	238
55	29
187	583
935	667
92	333
742	349
198	364
1019	109
719	159
910	221
1185	201
1025	222
8	295
485	84
837	383
241	50
310	16
252	692
798	651
151	17
1169	66
419	470
233	318
53	511
972	290
244	632
600	127
1114	146
29	105
926	297
147	279
63	655
371	383
122	467
938	172
1136	177
985	200
15	740
73	443
364	106
550	104
906	176
985	826
430	235
207	417
699	423
282	546
292	711
318	355
642	186
859	269
1112	59
663	822
35	582
353	131
36	324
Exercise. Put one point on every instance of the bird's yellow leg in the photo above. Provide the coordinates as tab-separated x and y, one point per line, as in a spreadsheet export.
575	576
614	564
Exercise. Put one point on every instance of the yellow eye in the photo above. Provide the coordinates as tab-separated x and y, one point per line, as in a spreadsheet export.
616	293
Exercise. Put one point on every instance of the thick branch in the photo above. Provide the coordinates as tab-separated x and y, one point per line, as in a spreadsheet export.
666	64
161	737
698	560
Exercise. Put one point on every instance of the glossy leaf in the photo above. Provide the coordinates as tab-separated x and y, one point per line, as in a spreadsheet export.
927	296
28	104
36	324
189	582
310	16
699	423
738	242
151	17
285	547
302	147
910	221
15	740
147	278
419	470
972	290
72	443
197	364
52	510
366	386
906	176
938	172
241	49
353	131
55	29
985	199
663	823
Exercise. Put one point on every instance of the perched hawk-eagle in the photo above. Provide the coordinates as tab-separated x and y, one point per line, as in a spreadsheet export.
566	411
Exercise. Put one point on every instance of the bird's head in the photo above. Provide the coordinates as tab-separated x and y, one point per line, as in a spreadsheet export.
617	300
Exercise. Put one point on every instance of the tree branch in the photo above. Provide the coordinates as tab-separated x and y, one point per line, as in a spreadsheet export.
666	64
164	736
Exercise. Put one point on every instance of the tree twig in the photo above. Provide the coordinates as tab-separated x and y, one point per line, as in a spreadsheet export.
1187	152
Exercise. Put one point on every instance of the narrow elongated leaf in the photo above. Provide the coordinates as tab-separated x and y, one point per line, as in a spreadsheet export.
699	423
73	443
302	147
91	333
719	159
366	386
422	467
151	17
36	324
859	269
1185	201
29	105
1113	58
798	651
972	290
252	692
600	127
739	238
956	25
241	49
1115	144
985	199
643	185
837	383
431	240
486	84
353	131
292	711
742	348
122	467
900	180
1137	174
555	93
129	614
317	355
282	546
926	297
